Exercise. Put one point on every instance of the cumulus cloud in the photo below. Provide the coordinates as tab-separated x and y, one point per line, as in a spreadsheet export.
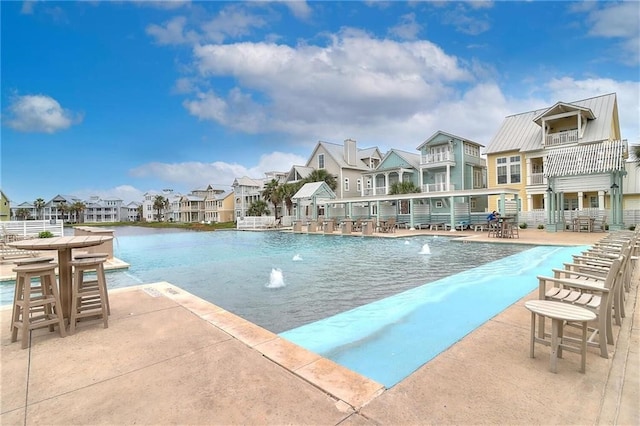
39	113
622	21
194	174
408	28
355	80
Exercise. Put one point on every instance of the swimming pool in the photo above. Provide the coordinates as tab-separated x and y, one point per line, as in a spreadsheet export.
281	281
379	306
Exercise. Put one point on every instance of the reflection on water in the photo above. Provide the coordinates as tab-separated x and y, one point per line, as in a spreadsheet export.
280	280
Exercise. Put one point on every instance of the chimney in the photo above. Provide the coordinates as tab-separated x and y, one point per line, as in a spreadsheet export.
350	152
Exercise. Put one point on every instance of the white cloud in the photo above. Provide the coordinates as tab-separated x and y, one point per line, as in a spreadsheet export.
408	28
192	175
172	32
621	21
39	113
356	81
299	8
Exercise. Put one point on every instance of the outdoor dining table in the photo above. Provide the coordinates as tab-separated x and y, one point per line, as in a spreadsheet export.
583	222
64	246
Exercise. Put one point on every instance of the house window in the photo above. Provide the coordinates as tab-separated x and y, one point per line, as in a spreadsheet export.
593	201
368	183
359	185
508	169
473	204
321	161
472	150
346	184
438	204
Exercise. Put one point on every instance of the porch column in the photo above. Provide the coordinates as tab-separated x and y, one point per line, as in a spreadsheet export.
411	215
386	183
580	198
601	200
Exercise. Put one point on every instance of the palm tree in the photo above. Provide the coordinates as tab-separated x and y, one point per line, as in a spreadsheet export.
258	208
62	208
271	194
78	209
23	214
287	191
321	175
139	212
405	187
39	206
159	204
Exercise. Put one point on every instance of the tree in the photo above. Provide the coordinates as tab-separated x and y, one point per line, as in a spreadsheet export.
258	208
287	191
39	206
636	153
78	209
63	208
139	212
23	214
271	194
406	187
159	204
321	175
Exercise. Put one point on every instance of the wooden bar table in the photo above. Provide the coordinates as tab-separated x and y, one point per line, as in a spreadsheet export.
64	246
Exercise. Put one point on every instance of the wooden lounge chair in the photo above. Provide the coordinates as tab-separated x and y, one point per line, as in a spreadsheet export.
14	253
592	292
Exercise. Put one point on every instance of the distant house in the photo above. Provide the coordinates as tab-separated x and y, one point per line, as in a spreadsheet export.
246	191
133	211
149	214
5	207
564	157
58	208
105	210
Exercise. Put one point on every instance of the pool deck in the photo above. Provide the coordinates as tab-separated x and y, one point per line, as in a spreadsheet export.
171	358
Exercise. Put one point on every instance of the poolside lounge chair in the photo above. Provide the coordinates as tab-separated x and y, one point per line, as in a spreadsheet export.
592	292
7	253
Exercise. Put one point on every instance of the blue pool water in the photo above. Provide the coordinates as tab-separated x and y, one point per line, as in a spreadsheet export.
389	339
381	307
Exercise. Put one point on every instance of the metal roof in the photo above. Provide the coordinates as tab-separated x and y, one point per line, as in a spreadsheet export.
521	133
314	189
593	158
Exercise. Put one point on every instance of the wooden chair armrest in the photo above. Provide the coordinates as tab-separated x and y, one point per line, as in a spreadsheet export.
569	274
573	283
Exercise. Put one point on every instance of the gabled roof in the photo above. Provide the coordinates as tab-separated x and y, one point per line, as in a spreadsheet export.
337	154
562	107
520	132
302	171
247	181
448	135
596	158
314	190
412	159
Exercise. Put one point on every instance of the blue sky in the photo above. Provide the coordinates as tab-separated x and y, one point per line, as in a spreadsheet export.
119	98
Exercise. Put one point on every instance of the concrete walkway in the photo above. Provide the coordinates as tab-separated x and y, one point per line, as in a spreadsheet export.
171	358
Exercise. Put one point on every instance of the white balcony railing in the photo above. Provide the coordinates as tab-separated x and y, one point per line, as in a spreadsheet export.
561	138
536	179
438	187
438	157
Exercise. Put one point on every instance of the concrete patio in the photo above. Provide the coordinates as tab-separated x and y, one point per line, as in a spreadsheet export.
171	358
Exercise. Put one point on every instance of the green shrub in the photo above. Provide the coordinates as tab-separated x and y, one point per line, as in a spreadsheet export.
541	226
523	226
45	234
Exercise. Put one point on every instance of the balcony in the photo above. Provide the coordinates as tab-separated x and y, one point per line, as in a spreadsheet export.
438	159
438	187
536	179
561	138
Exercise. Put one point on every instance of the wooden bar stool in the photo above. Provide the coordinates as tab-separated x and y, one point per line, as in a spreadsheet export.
38	308
88	298
35	287
98	256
